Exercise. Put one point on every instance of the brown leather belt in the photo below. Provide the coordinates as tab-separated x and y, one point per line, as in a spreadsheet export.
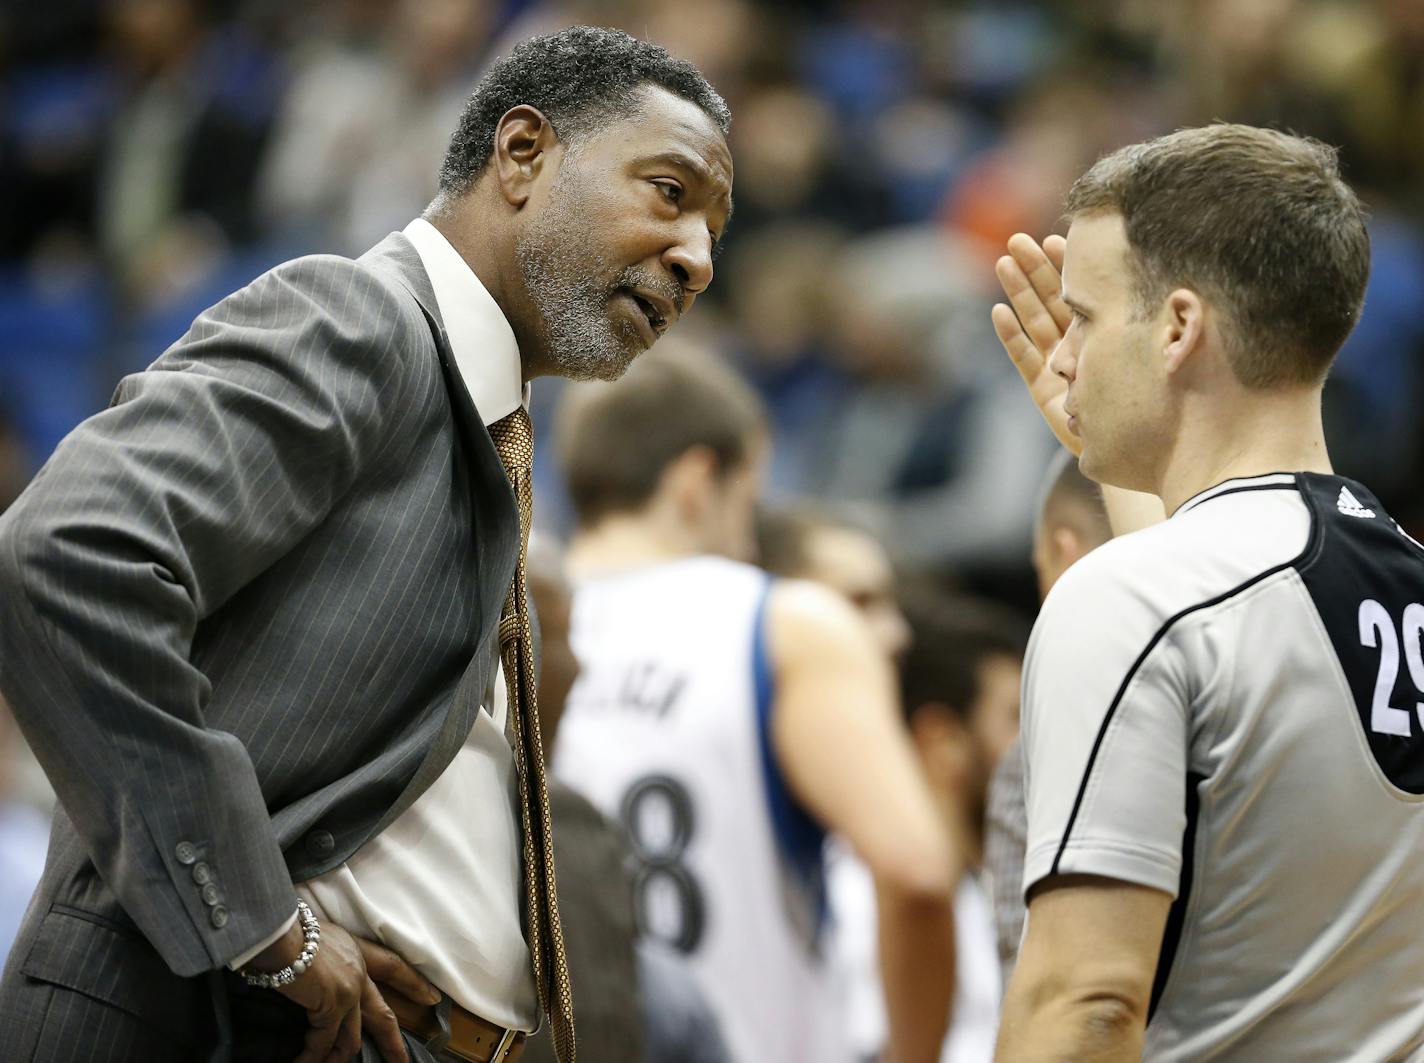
471	1037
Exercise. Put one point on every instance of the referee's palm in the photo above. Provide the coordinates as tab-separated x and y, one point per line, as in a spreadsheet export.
1031	277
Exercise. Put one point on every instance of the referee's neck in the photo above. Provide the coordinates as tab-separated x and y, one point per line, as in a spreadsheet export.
1280	430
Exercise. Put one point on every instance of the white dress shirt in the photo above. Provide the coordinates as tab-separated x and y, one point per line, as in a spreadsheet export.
442	885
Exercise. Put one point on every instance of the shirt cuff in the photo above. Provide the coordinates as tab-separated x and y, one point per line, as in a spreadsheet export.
1140	865
247	957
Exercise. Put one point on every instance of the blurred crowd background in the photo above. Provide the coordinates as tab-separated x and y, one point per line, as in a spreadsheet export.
157	154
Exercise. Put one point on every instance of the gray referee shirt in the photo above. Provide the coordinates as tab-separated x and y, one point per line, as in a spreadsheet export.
1229	707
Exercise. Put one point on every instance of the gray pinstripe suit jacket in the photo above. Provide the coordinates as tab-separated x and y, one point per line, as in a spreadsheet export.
246	618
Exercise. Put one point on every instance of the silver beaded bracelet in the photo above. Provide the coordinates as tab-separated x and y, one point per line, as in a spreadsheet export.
311	931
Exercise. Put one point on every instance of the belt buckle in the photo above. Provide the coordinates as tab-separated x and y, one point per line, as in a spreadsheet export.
502	1049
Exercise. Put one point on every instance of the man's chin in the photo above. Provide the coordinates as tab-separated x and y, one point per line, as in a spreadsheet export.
605	366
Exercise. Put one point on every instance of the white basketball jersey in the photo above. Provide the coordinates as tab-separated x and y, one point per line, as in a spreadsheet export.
667	731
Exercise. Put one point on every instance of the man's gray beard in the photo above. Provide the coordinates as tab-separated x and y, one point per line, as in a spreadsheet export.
561	268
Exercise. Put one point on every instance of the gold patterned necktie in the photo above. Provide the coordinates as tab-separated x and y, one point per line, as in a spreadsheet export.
514	443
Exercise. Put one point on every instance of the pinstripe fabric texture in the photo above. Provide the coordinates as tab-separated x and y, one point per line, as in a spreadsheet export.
248	615
513	438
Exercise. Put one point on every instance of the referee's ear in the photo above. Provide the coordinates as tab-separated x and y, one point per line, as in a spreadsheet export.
1185	329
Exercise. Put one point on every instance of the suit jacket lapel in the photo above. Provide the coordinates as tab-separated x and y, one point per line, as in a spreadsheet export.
398	256
493	512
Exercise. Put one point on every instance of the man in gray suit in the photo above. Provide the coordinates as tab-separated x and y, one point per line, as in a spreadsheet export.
251	617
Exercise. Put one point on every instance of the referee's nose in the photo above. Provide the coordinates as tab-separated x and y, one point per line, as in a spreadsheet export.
1064	359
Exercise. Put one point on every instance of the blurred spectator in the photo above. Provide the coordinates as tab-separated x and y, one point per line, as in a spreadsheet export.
362	132
21	778
24	833
193	102
13	464
930	442
1053	130
779	311
24	829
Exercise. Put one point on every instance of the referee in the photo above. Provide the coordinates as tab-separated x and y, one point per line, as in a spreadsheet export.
1223	716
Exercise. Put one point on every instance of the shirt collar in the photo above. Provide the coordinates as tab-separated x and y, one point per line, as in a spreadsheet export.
1267	481
486	352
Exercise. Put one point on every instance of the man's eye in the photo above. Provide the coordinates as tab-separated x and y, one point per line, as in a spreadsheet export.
671	191
1078	315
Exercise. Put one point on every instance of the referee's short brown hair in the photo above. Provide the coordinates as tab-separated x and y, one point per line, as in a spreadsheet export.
1257	221
615	439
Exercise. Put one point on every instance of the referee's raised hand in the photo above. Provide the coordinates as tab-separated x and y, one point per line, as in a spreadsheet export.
1030	275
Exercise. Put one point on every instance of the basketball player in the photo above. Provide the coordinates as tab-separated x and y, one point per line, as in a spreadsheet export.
731	721
1224	712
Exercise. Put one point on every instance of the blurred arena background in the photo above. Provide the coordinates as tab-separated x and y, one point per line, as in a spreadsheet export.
157	154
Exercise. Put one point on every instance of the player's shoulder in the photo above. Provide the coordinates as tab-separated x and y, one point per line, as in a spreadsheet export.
808	602
807	618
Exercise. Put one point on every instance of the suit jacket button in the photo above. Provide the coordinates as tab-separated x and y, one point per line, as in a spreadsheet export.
202	874
210	895
185	853
320	843
218	917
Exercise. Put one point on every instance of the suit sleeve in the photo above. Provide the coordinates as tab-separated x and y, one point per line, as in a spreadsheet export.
1105	733
151	515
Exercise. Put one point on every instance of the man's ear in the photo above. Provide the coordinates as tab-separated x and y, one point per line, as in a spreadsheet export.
1186	327
525	145
1068	545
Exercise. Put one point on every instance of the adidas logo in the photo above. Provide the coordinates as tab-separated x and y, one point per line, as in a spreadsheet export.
1349	505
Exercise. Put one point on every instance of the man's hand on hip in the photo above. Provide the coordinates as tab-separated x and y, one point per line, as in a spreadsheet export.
339	994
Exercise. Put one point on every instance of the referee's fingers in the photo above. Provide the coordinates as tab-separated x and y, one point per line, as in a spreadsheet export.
1027	358
1043	328
1054	247
1044	274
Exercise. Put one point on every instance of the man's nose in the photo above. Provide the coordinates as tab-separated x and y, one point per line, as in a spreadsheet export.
1063	360
690	260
